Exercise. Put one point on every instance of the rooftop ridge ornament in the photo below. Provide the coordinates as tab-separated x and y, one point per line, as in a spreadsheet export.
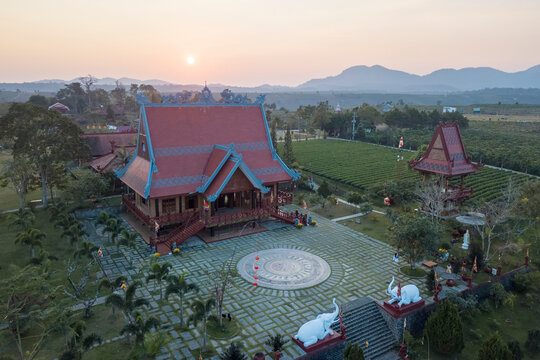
206	96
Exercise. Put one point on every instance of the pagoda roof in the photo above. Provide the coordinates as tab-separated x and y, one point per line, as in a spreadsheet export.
196	148
446	154
110	161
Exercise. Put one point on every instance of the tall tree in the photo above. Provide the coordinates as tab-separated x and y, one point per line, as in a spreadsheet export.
88	82
79	287
79	342
273	135
324	191
140	326
433	198
44	137
179	286
445	329
32	238
23	219
73	96
127	303
220	281
201	313
288	155
158	273
39	100
413	235
20	173
23	298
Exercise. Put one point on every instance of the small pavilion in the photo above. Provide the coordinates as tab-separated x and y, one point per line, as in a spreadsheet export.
446	156
203	165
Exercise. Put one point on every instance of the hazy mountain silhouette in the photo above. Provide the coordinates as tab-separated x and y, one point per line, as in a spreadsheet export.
366	79
379	78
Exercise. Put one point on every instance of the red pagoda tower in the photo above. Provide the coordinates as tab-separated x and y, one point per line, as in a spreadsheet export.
446	156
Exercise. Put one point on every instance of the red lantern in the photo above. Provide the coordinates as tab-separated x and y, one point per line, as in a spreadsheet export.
254	284
255	277
256	268
256	258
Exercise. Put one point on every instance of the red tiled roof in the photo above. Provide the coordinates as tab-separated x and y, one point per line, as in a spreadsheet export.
101	143
184	140
110	162
446	154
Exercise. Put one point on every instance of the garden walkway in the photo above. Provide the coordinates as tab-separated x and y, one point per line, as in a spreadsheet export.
360	266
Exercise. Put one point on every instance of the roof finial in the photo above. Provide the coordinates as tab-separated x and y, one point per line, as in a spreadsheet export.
204	83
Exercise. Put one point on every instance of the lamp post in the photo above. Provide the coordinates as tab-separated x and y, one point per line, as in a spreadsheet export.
353	124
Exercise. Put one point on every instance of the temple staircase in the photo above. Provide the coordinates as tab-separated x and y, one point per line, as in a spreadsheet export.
364	322
179	235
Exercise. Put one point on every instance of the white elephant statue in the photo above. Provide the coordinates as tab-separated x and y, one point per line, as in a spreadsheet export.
317	329
409	294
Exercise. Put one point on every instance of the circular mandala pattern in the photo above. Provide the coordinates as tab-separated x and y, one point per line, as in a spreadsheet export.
284	269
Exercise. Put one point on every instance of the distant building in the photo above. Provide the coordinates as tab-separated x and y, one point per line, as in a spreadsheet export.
61	108
338	109
448	109
105	143
476	110
387	107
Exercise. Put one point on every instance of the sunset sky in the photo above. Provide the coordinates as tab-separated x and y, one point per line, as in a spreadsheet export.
280	42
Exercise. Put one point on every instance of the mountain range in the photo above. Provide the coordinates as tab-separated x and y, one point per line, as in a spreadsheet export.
374	79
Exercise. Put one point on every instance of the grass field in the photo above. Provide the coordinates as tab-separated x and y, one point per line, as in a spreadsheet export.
362	165
373	224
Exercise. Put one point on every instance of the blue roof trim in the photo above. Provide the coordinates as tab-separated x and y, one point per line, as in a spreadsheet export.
119	173
294	174
214	196
203	188
247	172
153	167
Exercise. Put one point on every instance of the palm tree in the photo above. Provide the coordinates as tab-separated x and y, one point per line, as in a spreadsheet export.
140	326
22	219
128	239
179	286
201	312
159	273
64	221
32	238
233	352
276	342
88	249
43	260
127	303
74	234
113	227
56	210
102	218
79	343
114	285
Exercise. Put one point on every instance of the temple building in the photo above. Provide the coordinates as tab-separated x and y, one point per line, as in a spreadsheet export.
203	165
446	156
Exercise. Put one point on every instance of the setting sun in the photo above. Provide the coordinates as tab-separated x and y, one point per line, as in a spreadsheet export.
190	60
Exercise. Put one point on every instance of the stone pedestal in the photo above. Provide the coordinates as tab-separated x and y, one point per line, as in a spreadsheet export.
397	312
325	343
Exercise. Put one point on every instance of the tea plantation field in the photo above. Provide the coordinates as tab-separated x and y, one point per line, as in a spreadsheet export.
362	165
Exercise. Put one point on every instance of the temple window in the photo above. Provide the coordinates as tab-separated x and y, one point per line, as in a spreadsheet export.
168	205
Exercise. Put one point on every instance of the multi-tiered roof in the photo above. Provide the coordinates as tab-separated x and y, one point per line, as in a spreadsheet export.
446	154
185	148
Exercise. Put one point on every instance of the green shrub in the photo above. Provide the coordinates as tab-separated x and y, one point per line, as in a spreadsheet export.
233	352
515	349
533	341
467	306
445	330
353	352
522	282
494	349
484	307
276	342
445	246
498	294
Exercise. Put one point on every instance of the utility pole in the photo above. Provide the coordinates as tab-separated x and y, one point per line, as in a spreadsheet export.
353	124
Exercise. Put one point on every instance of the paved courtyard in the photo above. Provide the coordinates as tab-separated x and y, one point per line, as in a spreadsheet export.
359	266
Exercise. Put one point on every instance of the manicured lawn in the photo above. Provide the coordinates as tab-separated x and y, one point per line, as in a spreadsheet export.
333	211
373	224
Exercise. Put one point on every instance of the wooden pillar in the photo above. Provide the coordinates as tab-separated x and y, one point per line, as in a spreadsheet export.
178	206
182	203
462	181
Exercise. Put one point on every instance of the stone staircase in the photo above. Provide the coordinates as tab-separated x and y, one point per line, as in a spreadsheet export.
179	235
364	322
